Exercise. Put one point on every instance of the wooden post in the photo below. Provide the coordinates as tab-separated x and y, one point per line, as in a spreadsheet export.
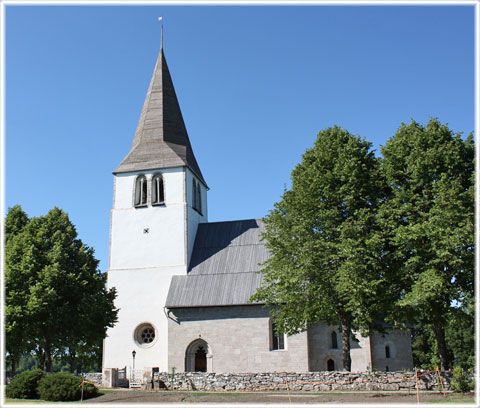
416	380
441	382
288	390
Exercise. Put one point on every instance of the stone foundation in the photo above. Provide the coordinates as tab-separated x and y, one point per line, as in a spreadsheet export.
313	381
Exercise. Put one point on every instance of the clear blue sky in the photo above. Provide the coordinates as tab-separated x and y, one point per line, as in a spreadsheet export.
255	86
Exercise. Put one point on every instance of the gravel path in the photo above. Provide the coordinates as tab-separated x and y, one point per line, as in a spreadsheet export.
144	397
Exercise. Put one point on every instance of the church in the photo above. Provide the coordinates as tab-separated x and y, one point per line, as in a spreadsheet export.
184	283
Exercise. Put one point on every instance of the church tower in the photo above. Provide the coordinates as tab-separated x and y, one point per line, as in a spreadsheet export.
160	197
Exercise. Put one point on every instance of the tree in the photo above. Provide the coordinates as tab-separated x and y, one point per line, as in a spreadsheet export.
15	222
326	256
430	217
53	284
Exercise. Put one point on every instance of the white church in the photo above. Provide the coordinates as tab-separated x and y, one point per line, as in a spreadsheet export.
184	283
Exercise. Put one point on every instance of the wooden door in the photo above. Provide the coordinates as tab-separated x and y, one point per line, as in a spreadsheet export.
201	360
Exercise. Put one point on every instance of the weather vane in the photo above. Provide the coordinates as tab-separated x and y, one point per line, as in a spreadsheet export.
161	33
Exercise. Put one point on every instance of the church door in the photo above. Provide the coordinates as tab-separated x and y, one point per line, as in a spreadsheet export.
201	359
330	365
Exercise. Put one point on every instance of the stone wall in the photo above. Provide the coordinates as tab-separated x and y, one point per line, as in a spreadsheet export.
312	381
238	338
95	378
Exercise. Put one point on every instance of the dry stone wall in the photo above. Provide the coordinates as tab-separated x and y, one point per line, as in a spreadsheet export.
94	378
313	381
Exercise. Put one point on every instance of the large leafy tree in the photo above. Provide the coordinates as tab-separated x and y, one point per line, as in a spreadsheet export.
326	252
56	298
429	216
14	313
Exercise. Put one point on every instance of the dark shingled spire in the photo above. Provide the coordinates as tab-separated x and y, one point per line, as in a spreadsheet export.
161	139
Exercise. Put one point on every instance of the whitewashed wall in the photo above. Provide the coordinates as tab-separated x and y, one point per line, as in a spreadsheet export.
142	264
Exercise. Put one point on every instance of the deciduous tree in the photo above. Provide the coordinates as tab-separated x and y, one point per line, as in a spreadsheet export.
54	286
326	252
430	218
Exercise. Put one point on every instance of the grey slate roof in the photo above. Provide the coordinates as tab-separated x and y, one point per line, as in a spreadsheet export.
223	268
161	139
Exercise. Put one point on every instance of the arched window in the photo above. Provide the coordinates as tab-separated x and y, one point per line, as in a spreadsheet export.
199	198
330	365
334	340
141	191
194	194
278	340
387	351
158	192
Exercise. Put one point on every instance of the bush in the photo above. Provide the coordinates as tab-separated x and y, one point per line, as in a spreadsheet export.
64	387
25	385
460	381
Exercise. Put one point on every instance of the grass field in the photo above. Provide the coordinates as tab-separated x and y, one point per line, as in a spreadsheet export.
199	397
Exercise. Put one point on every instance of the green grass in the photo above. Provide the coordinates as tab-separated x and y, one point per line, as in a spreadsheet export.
39	401
449	400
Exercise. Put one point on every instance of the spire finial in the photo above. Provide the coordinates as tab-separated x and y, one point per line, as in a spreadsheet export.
161	33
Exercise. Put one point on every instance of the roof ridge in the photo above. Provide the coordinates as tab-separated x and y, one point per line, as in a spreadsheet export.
221	273
224	222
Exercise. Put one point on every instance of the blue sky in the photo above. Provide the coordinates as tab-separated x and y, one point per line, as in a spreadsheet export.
255	85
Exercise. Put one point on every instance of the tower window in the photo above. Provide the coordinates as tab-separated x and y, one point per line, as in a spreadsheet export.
158	190
333	339
278	340
194	194
140	191
199	198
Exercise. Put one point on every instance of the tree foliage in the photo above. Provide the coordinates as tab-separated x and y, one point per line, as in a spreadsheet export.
358	239
430	217
56	300
326	260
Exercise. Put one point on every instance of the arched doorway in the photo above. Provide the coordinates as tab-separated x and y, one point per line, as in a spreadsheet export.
330	365
197	356
201	360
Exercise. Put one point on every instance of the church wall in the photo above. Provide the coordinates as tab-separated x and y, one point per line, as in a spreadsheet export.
147	247
141	298
130	245
320	349
400	347
238	338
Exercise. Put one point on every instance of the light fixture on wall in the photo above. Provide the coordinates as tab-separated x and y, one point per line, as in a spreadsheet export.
134	353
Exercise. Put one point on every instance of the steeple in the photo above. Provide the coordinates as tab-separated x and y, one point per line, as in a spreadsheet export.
161	139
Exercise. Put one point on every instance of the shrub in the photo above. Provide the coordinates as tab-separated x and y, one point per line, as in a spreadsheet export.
460	381
64	387
25	385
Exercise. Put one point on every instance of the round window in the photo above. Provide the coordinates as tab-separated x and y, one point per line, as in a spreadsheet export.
145	334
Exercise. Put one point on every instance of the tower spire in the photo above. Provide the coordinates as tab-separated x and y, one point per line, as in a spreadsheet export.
161	139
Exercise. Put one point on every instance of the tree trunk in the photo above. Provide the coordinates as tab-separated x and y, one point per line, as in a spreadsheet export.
48	357
346	334
41	358
72	358
14	365
442	347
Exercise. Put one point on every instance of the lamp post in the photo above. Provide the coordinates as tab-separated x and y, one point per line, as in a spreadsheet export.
134	353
